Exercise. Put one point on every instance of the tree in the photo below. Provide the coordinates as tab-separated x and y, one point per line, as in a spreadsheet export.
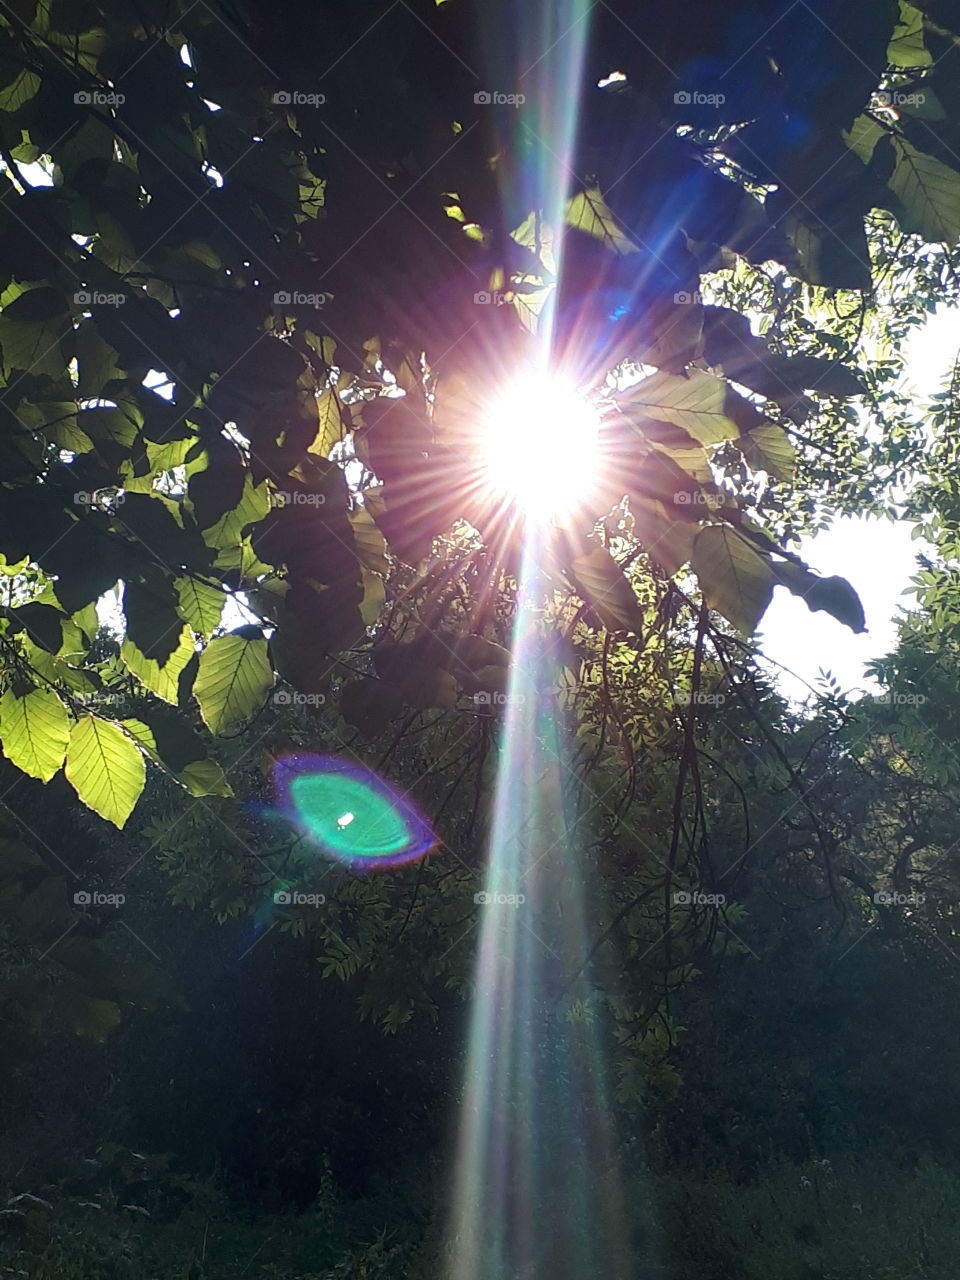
282	255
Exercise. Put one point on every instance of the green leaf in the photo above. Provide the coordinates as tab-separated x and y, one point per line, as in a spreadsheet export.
105	768
929	193
734	578
34	730
329	424
906	48
201	605
233	680
697	404
588	212
161	680
768	449
669	542
602	585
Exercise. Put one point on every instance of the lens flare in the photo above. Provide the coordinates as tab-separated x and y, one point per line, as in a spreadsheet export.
540	444
350	813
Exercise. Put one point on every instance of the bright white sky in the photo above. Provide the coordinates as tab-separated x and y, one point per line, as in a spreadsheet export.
877	556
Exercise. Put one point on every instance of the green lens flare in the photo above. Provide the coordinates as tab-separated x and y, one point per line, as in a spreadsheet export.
351	813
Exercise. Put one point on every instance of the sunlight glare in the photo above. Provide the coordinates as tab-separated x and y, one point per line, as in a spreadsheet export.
539	443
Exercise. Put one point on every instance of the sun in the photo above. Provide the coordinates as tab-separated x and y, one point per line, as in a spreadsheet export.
539	444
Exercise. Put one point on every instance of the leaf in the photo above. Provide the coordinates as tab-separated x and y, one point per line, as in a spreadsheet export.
105	768
201	605
162	680
768	449
329	424
588	212
828	595
697	404
34	730
928	191
906	48
233	680
175	747
735	580
602	585
153	623
862	137
669	542
369	541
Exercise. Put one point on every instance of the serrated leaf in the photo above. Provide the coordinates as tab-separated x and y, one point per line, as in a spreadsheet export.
329	424
201	605
669	542
602	585
233	681
34	731
588	212
163	681
768	449
734	578
105	768
928	191
906	48
698	404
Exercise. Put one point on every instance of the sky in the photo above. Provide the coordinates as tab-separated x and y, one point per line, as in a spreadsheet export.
877	556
